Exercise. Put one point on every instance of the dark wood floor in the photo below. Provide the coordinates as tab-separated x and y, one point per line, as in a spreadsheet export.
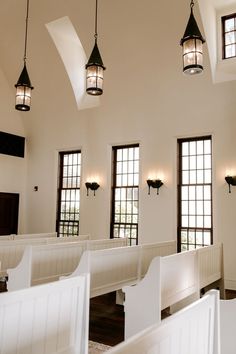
106	322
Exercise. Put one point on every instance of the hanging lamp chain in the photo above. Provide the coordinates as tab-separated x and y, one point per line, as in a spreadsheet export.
96	21
26	31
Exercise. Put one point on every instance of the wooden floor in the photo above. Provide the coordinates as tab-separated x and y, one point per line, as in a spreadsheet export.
106	322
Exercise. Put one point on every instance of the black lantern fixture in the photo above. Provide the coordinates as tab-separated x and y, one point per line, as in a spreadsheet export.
192	42
23	85
95	67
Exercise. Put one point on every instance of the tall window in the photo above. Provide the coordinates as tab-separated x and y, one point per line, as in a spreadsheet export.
125	192
194	193
68	193
229	36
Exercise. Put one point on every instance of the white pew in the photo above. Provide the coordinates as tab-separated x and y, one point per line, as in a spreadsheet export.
172	280
11	251
193	330
112	269
45	263
228	326
46	319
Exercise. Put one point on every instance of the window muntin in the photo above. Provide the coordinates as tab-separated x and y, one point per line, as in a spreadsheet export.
194	193
68	193
229	36
125	193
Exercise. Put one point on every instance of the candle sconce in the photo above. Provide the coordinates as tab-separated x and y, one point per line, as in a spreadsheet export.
154	183
93	186
231	180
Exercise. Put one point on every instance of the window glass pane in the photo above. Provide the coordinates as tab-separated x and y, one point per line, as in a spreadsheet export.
185	149
207	238
229	25
192	193
184	208
184	236
230	51
199	221
185	177
200	176
131	153
199	235
200	147
185	163
192	148
191	238
184	221
207	208
192	162
192	177
207	146
207	221
192	208
207	176
207	161
130	179
184	193
118	180
230	38
199	162
207	192
199	208
192	221
125	154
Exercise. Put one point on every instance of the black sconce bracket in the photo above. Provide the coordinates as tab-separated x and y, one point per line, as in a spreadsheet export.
154	183
231	180
93	186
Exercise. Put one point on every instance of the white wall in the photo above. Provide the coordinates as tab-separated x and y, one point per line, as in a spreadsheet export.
147	100
13	169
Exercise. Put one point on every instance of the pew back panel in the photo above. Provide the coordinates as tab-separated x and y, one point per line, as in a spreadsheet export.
46	319
47	262
191	330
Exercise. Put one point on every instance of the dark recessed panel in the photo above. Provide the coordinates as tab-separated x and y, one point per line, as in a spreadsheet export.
13	145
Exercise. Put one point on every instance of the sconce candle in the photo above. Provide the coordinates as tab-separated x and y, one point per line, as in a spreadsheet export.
93	186
154	183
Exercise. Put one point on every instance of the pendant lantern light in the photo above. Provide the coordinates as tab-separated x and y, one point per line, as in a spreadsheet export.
192	42
23	85
95	67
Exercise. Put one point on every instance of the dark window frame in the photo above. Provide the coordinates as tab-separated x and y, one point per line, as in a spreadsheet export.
114	186
224	45
179	200
59	222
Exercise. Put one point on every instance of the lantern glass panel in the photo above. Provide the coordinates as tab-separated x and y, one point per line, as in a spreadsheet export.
94	78
23	96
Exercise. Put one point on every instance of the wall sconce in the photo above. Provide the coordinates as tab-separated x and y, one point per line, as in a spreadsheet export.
231	180
93	186
154	183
